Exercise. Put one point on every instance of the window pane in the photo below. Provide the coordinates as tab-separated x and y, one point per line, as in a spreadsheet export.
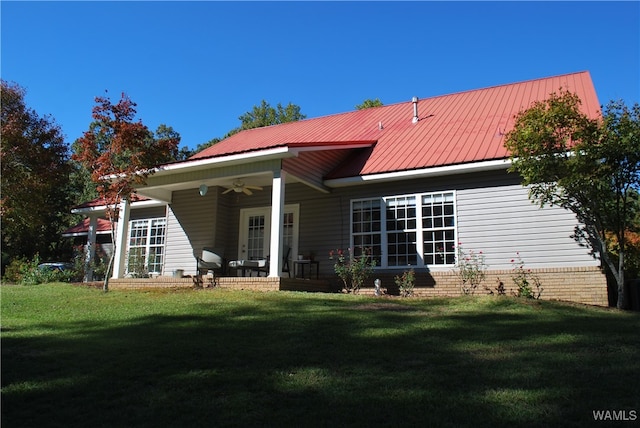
438	222
146	246
366	226
400	222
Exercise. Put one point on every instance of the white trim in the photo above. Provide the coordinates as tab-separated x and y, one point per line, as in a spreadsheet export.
122	235
420	173
98	209
277	210
149	224
241	158
266	211
273	153
73	235
419	230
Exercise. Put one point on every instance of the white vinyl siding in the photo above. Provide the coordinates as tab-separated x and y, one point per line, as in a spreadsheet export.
191	226
500	221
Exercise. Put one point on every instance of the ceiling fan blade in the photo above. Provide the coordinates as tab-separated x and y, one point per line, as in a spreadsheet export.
247	191
227	191
253	187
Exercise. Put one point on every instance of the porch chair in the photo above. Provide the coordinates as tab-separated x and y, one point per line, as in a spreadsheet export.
211	260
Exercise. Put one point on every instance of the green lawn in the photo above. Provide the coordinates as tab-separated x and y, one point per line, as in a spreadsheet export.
77	357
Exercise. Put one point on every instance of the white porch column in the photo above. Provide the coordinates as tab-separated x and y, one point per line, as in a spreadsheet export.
122	233
277	212
90	250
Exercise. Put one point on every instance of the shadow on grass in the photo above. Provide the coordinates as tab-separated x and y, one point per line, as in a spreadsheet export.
327	362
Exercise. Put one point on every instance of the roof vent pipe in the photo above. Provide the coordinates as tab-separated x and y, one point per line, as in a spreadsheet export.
415	109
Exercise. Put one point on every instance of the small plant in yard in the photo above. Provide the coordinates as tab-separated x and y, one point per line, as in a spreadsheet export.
500	289
406	282
471	269
351	269
527	283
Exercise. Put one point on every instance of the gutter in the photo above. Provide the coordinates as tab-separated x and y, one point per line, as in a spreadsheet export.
465	168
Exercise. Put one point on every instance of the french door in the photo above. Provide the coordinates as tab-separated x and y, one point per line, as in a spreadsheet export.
255	231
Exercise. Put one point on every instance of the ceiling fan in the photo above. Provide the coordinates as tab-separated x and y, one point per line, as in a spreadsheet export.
238	186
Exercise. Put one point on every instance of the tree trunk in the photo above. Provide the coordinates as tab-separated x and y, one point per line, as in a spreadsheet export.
105	285
112	226
617	271
621	304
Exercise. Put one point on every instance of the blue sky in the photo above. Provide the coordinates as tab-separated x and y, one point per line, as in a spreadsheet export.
197	66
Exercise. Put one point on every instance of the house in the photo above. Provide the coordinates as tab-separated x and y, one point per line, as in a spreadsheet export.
409	181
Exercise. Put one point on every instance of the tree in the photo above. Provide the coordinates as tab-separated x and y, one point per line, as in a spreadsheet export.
588	166
368	103
260	115
34	178
201	147
121	154
265	115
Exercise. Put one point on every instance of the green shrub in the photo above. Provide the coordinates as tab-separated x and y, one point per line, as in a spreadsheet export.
471	269
527	283
14	271
406	282
28	272
98	264
353	270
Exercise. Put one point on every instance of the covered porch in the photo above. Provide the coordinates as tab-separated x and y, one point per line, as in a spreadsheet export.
247	206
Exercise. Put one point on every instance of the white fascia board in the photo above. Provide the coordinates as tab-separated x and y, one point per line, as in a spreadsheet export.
197	164
97	210
491	165
100	209
278	152
73	235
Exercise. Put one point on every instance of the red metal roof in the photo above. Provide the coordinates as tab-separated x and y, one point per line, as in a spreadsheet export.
82	228
452	129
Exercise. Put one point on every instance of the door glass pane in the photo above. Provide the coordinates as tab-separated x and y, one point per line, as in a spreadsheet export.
255	237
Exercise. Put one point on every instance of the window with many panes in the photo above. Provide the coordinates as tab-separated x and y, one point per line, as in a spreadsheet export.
417	230
146	246
366	227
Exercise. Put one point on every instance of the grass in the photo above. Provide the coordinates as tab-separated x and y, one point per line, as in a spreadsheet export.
77	357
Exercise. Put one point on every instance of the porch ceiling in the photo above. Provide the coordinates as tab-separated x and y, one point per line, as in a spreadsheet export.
254	170
163	191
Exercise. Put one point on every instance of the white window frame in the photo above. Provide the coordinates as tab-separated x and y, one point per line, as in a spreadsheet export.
149	225
419	229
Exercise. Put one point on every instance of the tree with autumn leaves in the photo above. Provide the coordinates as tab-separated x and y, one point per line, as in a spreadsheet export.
590	166
34	206
120	154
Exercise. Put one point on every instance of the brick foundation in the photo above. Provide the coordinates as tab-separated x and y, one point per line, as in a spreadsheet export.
581	285
586	285
236	283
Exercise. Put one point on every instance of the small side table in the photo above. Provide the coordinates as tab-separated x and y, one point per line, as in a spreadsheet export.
301	264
